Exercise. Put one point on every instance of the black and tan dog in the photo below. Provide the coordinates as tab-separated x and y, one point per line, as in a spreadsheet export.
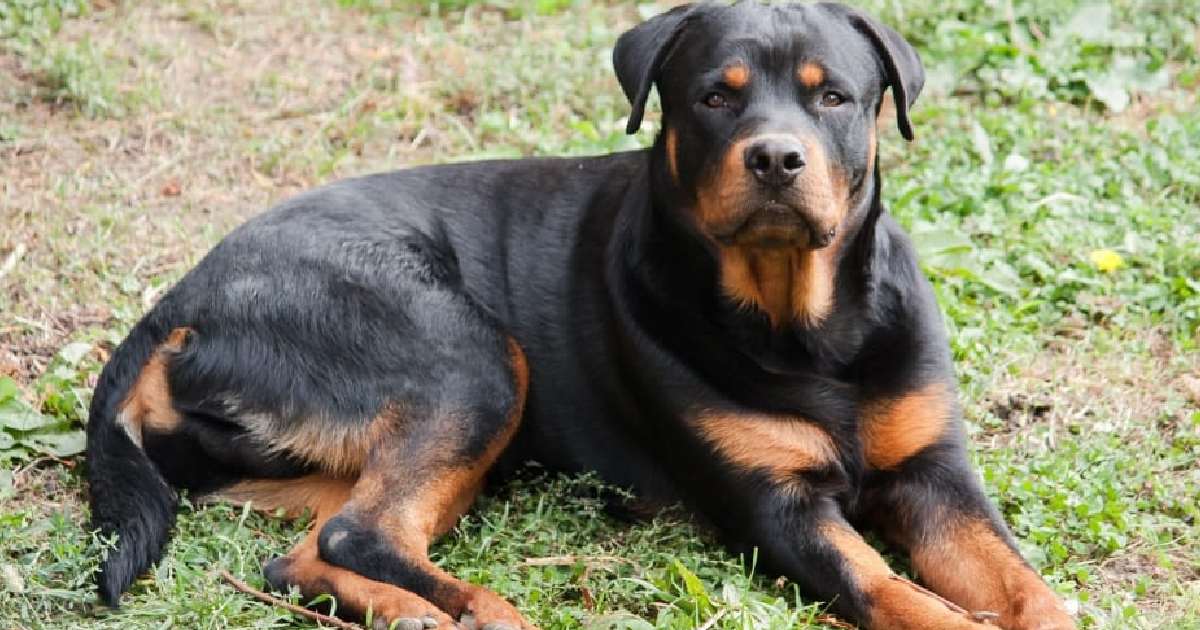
728	320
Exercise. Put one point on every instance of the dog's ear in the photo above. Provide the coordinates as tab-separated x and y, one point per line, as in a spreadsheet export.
900	60
639	55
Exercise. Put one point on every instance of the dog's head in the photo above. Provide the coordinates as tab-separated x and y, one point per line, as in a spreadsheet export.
769	112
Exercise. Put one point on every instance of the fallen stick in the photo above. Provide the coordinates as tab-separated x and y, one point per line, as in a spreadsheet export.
830	620
924	591
275	601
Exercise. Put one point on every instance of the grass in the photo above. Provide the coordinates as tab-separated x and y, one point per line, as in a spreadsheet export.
1053	192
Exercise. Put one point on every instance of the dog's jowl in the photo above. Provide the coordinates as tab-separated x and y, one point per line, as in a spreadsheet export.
728	320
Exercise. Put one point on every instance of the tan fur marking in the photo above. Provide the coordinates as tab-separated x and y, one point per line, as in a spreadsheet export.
896	604
409	509
672	143
412	512
737	76
177	339
872	149
719	199
315	577
386	602
787	284
823	186
321	495
971	566
340	449
810	74
148	404
893	430
447	496
413	524
779	445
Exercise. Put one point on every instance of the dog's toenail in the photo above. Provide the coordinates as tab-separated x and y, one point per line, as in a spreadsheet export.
408	623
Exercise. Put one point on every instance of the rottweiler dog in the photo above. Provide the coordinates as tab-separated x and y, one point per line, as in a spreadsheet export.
727	320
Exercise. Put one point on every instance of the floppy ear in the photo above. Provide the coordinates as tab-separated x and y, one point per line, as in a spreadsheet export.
639	55
905	74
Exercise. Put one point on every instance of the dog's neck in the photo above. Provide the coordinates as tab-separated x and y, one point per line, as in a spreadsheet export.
786	288
788	285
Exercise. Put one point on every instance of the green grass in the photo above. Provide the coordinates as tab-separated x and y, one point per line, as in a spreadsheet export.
1051	135
76	73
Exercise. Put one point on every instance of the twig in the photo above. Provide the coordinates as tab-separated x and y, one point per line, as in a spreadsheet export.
1037	32
921	589
275	601
463	130
981	616
33	324
19	474
830	620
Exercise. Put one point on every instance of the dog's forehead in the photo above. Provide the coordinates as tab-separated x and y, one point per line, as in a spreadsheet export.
773	35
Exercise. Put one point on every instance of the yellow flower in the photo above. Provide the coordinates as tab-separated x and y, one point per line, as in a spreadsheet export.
1107	260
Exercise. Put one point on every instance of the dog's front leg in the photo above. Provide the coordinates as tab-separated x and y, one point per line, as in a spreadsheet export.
958	544
807	538
784	474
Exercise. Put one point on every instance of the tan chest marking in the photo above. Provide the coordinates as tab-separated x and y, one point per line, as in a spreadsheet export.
894	429
787	285
778	445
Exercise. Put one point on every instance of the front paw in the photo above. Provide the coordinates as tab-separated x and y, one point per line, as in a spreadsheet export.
1043	611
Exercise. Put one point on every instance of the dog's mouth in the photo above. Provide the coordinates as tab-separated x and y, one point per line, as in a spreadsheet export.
776	224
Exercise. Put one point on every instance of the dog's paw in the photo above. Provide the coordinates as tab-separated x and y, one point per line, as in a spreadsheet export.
426	622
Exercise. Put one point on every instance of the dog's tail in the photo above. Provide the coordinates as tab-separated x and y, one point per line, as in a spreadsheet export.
128	495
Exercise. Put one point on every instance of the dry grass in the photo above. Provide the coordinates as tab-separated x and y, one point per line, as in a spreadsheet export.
231	111
227	106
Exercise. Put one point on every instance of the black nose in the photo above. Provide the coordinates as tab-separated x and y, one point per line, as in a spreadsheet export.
775	161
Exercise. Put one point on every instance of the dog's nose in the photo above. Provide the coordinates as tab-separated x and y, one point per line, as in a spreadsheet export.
775	161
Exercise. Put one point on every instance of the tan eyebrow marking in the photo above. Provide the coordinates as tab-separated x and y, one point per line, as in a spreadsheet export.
737	76
810	74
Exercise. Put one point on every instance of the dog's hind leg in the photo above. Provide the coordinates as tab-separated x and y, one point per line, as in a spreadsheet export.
356	596
413	487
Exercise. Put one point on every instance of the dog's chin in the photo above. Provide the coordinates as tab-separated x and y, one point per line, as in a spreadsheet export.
771	237
775	226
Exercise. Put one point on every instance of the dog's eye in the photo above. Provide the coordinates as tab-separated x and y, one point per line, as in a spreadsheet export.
832	99
715	100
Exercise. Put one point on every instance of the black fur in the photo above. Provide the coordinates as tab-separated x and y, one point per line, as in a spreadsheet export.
404	287
128	496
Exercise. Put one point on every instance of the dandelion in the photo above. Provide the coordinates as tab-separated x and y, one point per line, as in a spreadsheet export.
1106	260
